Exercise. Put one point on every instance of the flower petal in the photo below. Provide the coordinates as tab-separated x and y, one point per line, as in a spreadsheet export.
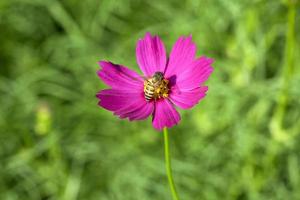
119	77
182	54
136	110
151	55
196	74
125	103
186	99
165	115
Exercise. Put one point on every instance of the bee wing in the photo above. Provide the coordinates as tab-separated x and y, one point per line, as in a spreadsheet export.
144	77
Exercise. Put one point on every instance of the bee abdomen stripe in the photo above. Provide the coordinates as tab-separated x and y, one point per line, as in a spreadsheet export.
148	98
149	87
149	92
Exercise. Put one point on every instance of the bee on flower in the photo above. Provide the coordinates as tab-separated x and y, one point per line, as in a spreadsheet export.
165	83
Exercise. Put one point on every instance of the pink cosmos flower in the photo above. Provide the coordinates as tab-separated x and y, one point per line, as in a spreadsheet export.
166	82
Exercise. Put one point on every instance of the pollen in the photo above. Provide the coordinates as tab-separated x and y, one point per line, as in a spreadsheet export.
162	90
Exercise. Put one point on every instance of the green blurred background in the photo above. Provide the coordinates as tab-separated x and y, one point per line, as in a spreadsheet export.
241	142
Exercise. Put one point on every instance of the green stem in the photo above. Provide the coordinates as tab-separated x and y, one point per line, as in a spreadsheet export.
287	71
168	166
288	67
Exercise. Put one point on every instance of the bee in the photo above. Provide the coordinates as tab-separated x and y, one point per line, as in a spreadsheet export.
156	87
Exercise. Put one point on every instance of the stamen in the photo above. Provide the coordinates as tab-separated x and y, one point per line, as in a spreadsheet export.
162	90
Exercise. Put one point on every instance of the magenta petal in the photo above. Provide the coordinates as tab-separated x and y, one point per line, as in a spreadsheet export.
113	100
136	111
181	56
188	98
151	55
119	77
165	115
196	74
125	104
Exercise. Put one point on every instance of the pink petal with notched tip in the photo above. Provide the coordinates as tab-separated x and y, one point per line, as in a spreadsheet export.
195	75
165	115
151	55
181	56
119	77
125	104
186	99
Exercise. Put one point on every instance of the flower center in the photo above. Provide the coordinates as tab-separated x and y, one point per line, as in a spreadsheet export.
156	87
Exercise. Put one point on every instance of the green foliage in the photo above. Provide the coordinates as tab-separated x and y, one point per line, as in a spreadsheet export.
241	142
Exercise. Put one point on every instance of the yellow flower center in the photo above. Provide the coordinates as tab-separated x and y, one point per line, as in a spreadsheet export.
162	89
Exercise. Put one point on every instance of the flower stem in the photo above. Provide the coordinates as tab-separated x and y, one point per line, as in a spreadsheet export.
168	165
277	128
